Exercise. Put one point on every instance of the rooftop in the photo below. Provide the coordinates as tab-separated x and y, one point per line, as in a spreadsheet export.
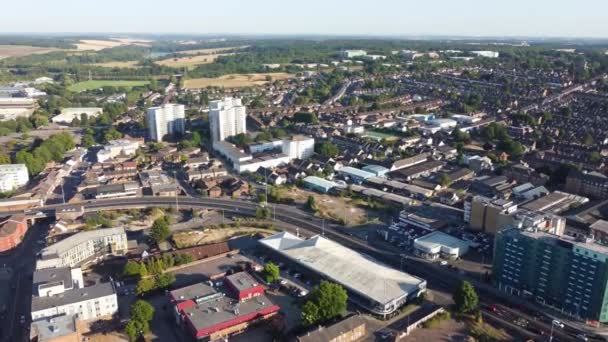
54	328
73	296
355	271
242	281
439	239
333	331
79	238
224	312
53	275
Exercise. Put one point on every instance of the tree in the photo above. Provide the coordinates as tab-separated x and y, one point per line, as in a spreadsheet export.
142	311
306	117
87	140
163	281
444	180
329	298
271	272
310	313
311	202
132	268
5	159
160	230
262	213
327	149
133	328
145	285
466	298
588	139
595	157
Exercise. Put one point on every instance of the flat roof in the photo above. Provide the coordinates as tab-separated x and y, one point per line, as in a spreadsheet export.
210	315
192	291
357	272
78	238
53	275
545	202
72	296
55	327
242	281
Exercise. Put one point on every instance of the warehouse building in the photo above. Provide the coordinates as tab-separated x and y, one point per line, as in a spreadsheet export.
370	284
318	184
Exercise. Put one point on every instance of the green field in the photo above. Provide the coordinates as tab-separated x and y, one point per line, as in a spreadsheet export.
379	135
94	84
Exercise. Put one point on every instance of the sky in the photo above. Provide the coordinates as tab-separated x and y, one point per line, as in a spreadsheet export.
533	18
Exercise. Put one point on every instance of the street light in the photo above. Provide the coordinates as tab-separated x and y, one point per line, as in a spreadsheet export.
554	323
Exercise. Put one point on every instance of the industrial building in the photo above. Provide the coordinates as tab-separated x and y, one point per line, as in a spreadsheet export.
440	245
209	312
354	174
318	184
168	119
568	274
370	284
84	247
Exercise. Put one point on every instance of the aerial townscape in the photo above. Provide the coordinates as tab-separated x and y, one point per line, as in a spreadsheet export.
300	187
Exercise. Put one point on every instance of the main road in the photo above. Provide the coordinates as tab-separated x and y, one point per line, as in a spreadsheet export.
307	224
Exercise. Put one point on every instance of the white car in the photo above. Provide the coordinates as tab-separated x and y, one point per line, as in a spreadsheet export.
443	263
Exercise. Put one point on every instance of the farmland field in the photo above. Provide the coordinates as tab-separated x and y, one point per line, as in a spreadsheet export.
94	84
98	44
117	64
211	51
22	50
235	80
190	61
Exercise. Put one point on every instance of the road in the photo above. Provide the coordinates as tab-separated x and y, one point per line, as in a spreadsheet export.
306	223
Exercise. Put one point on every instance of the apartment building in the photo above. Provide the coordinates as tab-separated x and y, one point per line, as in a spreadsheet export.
227	118
61	291
567	274
84	247
168	119
488	215
13	176
591	184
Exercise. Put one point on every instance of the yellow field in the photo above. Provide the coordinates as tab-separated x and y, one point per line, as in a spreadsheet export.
211	51
190	61
235	80
117	64
22	50
96	45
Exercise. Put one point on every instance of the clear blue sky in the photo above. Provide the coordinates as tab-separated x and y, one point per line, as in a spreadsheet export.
587	18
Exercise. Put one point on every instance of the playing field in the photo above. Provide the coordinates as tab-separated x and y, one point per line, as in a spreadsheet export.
22	50
190	61
235	80
94	84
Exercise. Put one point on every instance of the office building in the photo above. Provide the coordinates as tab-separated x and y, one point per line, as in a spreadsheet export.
227	118
84	247
488	215
13	176
370	284
168	119
567	274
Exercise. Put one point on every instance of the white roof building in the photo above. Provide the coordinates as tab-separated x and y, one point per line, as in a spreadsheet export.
69	114
115	148
373	285
438	244
13	176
